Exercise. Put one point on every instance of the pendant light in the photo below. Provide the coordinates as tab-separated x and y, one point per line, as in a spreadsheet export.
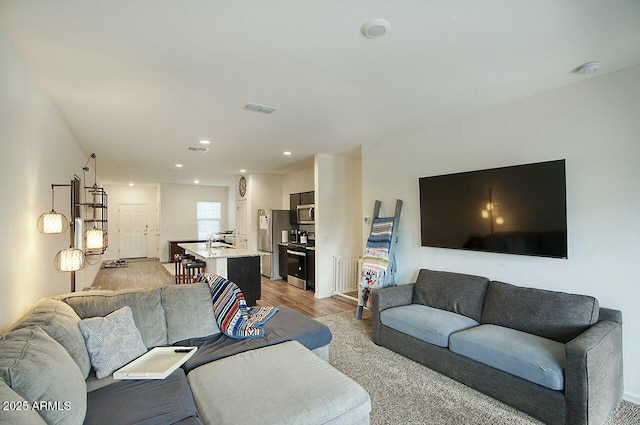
52	222
69	260
95	239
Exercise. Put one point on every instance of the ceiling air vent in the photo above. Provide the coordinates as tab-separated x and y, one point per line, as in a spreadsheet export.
198	149
259	108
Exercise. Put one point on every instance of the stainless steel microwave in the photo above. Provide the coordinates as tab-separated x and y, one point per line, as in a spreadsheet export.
306	214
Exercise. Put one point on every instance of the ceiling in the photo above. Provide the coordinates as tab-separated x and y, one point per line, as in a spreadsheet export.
139	81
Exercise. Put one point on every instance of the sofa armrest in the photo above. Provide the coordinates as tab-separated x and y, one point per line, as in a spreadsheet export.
384	298
593	373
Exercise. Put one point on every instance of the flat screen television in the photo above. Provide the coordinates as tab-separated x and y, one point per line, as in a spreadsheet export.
514	210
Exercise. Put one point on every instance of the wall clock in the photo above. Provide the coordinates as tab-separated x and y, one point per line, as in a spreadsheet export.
242	186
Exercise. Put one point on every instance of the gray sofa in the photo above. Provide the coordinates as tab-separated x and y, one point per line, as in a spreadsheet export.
555	356
46	373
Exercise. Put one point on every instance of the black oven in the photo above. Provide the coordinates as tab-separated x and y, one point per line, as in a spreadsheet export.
297	267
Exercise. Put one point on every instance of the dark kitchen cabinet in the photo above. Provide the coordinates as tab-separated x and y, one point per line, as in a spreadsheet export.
307	198
294	201
245	272
311	269
282	260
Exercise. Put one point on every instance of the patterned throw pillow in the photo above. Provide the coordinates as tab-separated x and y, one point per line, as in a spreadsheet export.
112	341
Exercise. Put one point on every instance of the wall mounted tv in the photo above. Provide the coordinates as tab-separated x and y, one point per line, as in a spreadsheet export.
515	210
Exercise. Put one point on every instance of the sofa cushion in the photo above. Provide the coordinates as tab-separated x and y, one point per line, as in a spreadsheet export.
188	311
35	366
112	341
144	401
455	292
549	314
15	409
60	322
293	386
536	359
428	324
287	325
145	304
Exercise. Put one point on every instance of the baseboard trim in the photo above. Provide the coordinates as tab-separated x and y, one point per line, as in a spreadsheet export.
631	398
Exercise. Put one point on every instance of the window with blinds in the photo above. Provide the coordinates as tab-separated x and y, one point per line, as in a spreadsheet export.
209	215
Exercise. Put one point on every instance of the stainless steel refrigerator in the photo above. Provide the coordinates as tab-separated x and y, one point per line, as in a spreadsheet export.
271	224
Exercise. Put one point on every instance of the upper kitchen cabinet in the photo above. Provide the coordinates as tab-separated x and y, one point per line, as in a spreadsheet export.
307	198
296	199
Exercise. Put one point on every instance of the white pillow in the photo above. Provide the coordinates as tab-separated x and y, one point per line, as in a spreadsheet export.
112	341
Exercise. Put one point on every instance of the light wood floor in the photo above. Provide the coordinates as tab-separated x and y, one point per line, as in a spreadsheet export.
147	273
278	292
152	274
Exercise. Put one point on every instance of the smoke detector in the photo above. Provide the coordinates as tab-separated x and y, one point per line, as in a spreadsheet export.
254	107
588	68
375	28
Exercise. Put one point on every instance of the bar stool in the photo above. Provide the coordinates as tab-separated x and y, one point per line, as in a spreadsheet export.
193	268
179	262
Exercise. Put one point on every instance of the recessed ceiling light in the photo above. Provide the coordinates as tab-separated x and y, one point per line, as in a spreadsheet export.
254	107
375	28
130	184
196	181
588	68
243	171
286	153
178	165
204	142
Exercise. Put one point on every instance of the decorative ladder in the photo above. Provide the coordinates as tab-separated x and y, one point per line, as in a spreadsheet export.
378	265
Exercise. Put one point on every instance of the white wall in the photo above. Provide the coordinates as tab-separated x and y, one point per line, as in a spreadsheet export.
338	208
37	149
297	182
178	218
594	125
120	194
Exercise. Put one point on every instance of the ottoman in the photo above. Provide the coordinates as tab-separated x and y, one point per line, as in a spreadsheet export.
280	384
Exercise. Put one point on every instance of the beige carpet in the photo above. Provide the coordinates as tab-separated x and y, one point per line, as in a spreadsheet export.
405	392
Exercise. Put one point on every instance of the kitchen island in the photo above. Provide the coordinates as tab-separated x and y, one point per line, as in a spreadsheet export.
241	266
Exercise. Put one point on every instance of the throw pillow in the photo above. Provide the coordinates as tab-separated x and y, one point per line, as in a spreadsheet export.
112	341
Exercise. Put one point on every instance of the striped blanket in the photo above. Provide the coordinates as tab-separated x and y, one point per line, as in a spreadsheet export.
235	319
376	263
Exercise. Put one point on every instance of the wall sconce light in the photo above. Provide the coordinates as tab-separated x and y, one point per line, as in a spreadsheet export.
53	222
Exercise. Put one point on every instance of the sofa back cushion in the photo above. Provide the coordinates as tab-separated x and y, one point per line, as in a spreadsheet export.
549	314
35	366
189	312
145	304
455	292
15	409
60	322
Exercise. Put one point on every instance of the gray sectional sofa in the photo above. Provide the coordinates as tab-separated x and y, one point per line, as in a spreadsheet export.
555	356
46	373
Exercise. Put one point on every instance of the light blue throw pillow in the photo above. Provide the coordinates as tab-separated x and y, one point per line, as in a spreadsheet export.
112	341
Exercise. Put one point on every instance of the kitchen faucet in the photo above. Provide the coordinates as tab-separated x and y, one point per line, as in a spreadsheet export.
210	240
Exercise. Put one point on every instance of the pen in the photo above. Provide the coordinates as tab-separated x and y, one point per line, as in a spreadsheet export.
182	350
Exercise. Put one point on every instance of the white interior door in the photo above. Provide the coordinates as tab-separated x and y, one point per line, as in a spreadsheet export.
133	230
241	225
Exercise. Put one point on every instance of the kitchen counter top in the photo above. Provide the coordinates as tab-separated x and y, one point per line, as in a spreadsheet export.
298	245
217	251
